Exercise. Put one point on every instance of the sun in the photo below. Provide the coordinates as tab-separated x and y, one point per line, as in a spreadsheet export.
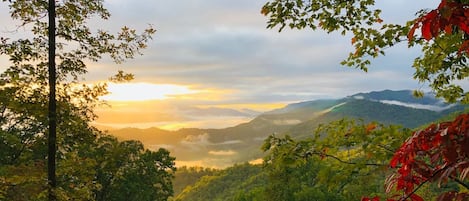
144	91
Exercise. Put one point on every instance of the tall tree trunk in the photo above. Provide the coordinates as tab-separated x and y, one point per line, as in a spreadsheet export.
52	113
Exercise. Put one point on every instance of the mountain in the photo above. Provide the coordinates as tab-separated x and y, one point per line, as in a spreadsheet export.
215	111
404	98
241	143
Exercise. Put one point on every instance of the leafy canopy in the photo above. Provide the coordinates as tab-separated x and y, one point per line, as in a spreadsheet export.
90	164
343	160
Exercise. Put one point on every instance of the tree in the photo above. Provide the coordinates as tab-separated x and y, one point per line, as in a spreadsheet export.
126	171
91	165
435	152
52	109
444	38
75	44
342	160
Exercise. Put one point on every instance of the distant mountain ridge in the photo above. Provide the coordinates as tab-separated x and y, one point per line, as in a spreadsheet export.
405	98
401	95
241	143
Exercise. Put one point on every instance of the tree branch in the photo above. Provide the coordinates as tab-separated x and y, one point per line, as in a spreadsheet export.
459	182
424	182
321	154
385	148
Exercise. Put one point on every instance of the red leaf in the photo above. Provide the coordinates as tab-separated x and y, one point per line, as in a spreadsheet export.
439	152
442	4
426	30
462	197
415	197
376	198
410	35
450	154
465	141
394	161
463	26
447	196
448	29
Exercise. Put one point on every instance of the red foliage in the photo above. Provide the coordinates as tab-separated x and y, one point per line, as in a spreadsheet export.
438	153
448	15
371	199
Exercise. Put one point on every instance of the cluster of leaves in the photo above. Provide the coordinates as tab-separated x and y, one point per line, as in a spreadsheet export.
447	17
343	160
444	59
438	153
356	17
126	171
76	42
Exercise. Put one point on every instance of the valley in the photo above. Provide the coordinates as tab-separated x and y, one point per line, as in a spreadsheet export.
221	148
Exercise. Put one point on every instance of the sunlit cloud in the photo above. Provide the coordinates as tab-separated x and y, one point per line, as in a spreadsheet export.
222	153
261	107
144	91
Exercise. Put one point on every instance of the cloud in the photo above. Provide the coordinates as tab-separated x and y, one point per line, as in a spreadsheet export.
201	140
230	142
223	153
418	106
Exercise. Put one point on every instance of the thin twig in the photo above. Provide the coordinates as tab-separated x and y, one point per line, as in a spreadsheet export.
346	162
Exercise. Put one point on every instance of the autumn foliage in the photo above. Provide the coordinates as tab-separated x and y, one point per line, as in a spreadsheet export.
439	153
445	19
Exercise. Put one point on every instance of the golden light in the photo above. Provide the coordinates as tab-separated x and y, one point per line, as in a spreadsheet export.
144	91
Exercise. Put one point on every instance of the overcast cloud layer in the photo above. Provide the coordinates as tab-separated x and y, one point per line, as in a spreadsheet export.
223	44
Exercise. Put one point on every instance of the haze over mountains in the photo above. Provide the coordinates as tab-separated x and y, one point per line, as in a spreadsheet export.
170	115
241	143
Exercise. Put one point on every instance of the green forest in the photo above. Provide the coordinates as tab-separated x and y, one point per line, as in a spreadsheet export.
49	149
342	160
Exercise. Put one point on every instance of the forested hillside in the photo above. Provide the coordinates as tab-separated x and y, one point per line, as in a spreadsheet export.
239	144
343	160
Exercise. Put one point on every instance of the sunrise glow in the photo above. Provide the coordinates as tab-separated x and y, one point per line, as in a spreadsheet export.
144	91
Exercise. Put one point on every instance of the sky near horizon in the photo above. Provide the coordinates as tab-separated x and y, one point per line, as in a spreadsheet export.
219	54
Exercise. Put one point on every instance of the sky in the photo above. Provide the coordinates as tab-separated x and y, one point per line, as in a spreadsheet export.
218	55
